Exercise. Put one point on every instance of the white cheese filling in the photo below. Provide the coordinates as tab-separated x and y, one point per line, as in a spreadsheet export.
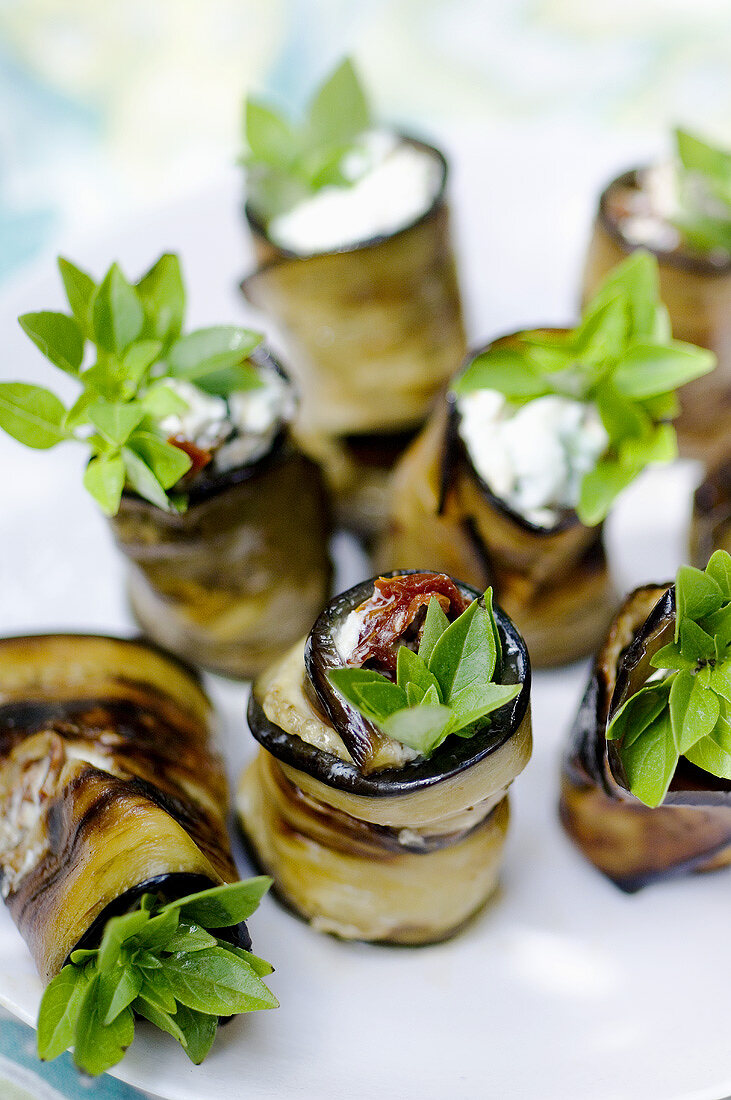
237	430
345	638
394	184
532	457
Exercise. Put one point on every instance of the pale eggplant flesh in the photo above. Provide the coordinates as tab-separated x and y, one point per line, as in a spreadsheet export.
109	787
629	842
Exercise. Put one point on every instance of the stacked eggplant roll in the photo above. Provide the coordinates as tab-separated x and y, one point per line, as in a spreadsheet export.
646	786
223	520
511	480
350	225
114	856
680	210
389	738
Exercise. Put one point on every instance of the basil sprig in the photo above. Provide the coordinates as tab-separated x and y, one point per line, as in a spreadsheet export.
446	687
135	332
287	161
704	191
686	709
621	358
159	962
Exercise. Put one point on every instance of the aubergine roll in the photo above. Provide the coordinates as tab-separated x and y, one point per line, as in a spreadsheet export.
510	482
711	521
680	210
350	228
115	861
389	738
646	782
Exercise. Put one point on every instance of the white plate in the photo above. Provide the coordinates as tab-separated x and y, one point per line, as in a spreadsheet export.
564	989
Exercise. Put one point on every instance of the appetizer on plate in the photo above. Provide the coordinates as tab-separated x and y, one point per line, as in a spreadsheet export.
646	785
711	522
224	521
114	858
512	478
351	229
389	738
681	211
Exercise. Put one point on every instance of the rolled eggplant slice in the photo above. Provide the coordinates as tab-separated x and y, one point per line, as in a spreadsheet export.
374	331
631	843
109	787
364	837
234	580
697	292
711	523
554	582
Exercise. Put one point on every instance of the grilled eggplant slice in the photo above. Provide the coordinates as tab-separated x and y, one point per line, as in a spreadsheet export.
711	524
552	581
629	842
363	837
374	331
109	790
697	292
234	580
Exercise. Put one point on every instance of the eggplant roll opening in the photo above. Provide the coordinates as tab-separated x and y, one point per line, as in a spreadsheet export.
364	838
697	293
629	842
234	580
554	582
109	787
374	332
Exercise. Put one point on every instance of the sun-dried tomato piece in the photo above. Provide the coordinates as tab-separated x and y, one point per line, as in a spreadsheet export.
393	607
198	457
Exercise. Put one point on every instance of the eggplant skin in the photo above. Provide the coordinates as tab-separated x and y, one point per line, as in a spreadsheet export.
629	842
109	786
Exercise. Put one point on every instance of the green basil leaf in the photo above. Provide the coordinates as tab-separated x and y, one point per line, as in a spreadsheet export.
659	445
650	760
127	988
435	623
339	110
475	703
116	420
117	314
199	1029
116	931
696	595
713	753
167	462
222	906
636	279
104	478
190	937
216	981
162	293
157	989
694	710
32	415
720	679
639	711
209	349
79	289
648	369
166	1021
600	488
622	417
59	1011
704	233
58	336
259	966
422	728
158	931
161	400
719	570
412	669
698	155
671	657
136	363
506	370
98	1047
695	644
141	478
602	331
348	681
221	381
465	654
77	415
269	135
379	700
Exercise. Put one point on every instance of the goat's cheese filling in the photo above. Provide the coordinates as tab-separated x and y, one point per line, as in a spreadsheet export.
236	430
393	184
532	457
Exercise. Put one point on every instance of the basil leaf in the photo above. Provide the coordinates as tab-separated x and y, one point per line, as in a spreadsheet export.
157	989
79	289
117	314
475	703
700	156
719	570
720	679
158	931
694	710
659	445
116	931
621	417
190	937
422	728
59	1010
269	136
713	753
379	700
648	369
259	966
603	330
136	363
348	680
465	654
161	400
411	669
222	906
199	1030
695	644
127	988
167	462
696	595
670	656
639	711
32	415
339	110
506	370
58	336
116	420
216	981
98	1047
220	381
600	488
143	481
209	349
160	1018
650	760
104	478
435	623
162	294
